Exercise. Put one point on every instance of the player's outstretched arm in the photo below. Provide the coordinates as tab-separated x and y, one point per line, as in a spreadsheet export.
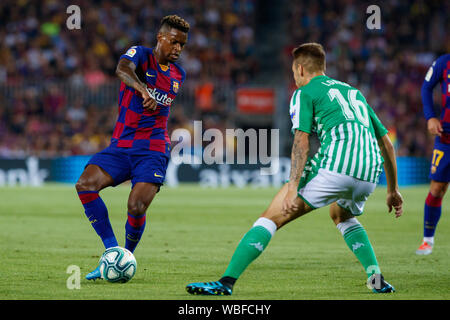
126	71
299	156
394	198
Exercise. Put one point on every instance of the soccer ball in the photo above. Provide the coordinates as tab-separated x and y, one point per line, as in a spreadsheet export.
117	264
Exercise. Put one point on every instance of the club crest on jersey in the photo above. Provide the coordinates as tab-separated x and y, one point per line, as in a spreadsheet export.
175	86
292	114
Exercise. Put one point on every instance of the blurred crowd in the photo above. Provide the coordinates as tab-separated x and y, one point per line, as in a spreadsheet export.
42	62
388	65
37	44
38	52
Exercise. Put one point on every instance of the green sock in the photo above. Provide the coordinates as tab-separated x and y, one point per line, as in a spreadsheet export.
357	240
249	248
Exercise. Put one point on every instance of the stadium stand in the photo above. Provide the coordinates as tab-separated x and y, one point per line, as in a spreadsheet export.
58	90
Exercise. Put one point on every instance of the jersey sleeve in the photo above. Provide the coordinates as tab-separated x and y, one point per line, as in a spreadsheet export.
134	54
301	112
378	127
432	77
182	72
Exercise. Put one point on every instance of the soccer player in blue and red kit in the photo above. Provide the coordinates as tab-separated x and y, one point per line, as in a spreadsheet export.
140	144
440	161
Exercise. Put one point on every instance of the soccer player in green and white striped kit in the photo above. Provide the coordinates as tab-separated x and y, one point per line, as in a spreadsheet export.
354	145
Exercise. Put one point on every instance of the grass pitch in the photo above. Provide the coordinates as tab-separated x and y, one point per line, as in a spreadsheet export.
190	236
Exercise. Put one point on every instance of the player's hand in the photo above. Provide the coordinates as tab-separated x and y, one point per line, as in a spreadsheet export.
395	200
435	127
149	101
291	203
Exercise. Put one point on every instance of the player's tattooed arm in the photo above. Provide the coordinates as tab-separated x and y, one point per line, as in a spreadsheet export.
299	156
126	71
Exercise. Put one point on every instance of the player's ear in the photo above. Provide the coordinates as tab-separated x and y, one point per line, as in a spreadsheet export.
301	71
159	36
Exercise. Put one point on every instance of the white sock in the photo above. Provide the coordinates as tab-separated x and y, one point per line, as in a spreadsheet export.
429	240
343	226
266	223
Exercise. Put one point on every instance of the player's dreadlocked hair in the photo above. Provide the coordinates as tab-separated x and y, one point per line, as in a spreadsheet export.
174	21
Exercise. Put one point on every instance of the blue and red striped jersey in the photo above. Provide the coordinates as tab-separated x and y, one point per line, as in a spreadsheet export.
136	127
438	72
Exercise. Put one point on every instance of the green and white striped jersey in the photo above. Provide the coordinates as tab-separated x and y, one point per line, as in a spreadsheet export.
346	125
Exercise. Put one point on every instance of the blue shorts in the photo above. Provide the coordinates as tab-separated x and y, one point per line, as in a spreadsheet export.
440	162
124	164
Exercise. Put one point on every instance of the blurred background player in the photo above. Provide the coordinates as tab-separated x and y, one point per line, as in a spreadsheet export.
140	146
440	161
343	172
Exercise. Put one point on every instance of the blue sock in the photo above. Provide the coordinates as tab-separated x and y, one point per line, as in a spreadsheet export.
433	208
134	228
96	212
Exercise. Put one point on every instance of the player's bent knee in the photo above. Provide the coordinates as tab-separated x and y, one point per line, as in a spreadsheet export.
140	198
86	184
137	207
93	178
339	214
282	218
438	189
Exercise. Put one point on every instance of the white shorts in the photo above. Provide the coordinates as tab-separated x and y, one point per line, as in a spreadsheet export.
327	187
